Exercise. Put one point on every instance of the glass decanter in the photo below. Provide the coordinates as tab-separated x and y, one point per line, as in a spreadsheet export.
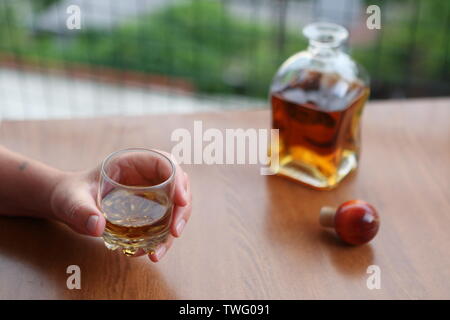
317	98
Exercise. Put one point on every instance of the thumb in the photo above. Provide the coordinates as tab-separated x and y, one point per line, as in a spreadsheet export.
79	212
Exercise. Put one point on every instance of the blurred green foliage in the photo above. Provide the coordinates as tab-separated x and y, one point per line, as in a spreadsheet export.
197	40
43	4
415	42
220	53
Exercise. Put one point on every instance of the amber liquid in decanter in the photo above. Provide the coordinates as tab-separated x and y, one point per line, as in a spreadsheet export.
318	117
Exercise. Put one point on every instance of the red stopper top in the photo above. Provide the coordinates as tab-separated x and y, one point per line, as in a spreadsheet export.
356	222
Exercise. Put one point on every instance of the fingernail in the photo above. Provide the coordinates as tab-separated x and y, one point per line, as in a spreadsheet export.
160	252
180	226
91	224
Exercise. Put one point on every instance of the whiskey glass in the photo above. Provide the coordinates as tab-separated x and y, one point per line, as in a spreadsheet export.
135	195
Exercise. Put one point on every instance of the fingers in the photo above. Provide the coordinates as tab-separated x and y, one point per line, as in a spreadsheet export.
181	196
181	215
140	168
132	167
86	219
78	210
180	218
161	250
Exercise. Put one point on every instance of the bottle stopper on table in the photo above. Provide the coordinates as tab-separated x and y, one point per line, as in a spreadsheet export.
355	221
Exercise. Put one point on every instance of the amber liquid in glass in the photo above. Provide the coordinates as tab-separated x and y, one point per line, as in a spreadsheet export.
318	118
135	220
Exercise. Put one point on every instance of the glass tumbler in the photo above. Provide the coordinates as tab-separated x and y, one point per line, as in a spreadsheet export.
135	195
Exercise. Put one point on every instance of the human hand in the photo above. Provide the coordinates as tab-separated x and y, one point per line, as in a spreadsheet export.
73	202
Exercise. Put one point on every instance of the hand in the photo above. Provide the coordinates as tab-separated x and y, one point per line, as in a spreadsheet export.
73	202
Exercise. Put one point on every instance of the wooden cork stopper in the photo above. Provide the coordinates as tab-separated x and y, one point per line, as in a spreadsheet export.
326	216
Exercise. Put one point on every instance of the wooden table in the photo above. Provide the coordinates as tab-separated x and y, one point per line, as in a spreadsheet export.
250	236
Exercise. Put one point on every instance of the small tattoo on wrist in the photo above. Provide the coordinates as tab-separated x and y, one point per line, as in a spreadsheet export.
23	166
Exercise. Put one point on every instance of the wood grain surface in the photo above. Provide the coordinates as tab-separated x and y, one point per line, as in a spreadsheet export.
250	236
